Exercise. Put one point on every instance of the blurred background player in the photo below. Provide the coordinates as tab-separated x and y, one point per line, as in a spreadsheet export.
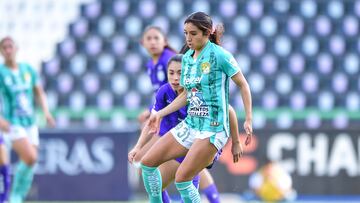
272	183
19	88
156	44
206	68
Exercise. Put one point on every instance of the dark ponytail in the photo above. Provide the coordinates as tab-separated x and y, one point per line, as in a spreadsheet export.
215	36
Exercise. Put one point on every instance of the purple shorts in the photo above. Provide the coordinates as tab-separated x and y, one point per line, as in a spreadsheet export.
1	139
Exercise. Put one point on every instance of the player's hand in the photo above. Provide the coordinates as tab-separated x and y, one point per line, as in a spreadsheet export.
236	150
132	154
144	116
50	120
4	125
154	123
248	131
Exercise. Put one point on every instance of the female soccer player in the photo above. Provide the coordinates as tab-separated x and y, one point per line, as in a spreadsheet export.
206	69
166	94
19	87
157	46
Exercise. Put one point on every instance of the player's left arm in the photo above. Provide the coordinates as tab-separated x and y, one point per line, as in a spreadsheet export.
232	69
42	101
40	96
241	82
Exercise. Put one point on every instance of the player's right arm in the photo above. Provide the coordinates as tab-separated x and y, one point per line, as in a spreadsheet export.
145	136
155	118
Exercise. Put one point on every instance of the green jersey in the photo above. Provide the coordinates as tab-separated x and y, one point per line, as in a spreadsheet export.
206	80
17	94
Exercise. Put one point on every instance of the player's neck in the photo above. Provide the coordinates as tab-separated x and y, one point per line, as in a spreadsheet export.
198	51
11	64
155	59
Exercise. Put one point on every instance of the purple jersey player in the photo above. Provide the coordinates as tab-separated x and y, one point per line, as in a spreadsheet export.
165	95
156	45
157	71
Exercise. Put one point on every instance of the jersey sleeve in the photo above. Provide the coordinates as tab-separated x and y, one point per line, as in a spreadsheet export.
160	102
229	64
34	76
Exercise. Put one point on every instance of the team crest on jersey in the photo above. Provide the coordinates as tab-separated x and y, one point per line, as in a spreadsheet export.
205	67
197	105
27	77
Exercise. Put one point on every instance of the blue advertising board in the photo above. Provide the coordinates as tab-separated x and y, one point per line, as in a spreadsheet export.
82	166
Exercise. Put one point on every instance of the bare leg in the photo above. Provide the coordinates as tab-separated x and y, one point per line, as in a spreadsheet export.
208	187
200	155
165	149
24	173
205	179
168	171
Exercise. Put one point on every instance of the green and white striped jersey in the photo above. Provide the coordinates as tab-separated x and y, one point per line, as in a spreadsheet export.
17	94
206	80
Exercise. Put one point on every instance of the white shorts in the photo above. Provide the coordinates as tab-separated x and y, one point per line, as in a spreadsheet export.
186	136
18	132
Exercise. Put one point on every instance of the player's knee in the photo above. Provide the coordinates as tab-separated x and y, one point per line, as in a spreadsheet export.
138	157
147	161
30	160
182	176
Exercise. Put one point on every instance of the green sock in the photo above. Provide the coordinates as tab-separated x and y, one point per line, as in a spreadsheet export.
23	178
152	182
188	192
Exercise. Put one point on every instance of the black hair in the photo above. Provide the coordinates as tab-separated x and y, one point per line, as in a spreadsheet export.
175	58
6	38
203	21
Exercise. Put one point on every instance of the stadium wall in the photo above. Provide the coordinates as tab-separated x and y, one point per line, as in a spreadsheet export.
93	165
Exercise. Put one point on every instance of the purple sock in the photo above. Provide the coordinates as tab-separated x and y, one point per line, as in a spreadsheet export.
5	182
165	197
196	181
212	194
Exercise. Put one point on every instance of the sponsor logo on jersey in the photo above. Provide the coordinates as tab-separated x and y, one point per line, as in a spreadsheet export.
197	106
193	80
27	77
